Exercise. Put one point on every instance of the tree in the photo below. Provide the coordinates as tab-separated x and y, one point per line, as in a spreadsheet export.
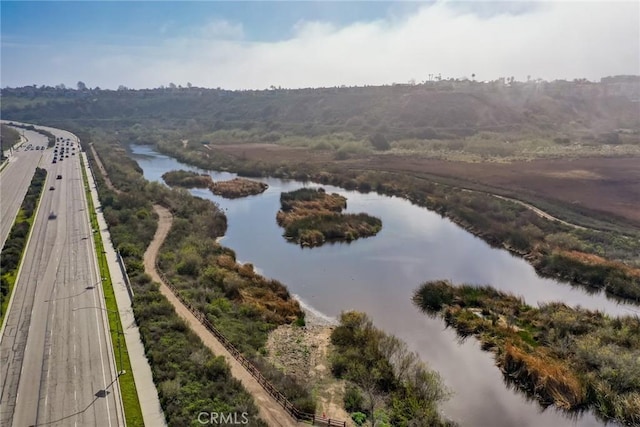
81	86
172	85
122	87
368	379
379	141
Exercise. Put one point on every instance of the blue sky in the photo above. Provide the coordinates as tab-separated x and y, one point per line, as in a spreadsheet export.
100	21
308	44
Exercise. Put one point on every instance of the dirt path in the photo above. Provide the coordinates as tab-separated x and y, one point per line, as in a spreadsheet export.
539	212
270	411
532	208
103	171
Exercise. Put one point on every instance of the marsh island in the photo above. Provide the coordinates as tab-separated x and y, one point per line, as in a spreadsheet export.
312	217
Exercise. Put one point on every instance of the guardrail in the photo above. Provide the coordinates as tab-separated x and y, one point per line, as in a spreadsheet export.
294	412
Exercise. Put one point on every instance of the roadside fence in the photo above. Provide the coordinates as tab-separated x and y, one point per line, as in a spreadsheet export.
294	412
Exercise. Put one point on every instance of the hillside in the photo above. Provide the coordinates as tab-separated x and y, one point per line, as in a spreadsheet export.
438	110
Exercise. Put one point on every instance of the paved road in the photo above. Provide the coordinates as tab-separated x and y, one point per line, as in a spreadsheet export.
147	393
15	179
56	358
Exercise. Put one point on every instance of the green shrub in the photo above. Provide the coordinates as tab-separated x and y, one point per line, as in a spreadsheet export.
434	296
359	418
353	401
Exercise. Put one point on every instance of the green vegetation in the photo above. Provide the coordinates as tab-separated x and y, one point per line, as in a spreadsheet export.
186	179
569	357
387	384
500	222
188	376
437	119
14	247
132	410
311	217
240	303
448	119
445	120
244	306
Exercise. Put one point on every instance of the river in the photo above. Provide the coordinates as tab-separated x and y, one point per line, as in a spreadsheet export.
378	275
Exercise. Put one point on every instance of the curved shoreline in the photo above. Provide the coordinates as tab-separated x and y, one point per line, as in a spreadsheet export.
268	408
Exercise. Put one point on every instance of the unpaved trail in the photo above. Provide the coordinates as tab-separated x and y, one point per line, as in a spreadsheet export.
270	411
103	171
539	212
535	210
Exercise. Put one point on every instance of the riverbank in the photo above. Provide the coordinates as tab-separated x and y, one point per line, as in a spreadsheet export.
501	223
304	352
572	358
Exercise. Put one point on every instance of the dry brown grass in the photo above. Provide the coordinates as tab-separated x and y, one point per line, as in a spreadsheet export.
591	259
270	304
300	209
237	187
543	374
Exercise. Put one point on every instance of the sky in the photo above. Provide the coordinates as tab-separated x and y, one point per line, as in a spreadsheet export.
256	45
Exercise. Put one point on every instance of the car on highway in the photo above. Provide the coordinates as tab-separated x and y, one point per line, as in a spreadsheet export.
59	177
52	188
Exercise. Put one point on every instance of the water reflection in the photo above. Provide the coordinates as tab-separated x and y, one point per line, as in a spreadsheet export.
378	275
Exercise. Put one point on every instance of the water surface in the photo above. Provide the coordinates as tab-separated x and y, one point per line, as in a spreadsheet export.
379	274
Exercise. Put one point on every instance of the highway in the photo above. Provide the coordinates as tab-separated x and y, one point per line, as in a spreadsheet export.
15	179
56	357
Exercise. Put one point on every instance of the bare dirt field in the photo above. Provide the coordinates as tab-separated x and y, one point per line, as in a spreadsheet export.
609	185
274	152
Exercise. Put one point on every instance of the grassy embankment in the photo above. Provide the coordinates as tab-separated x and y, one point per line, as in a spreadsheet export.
243	305
231	189
573	358
189	378
387	384
312	217
132	410
51	138
15	245
606	260
8	138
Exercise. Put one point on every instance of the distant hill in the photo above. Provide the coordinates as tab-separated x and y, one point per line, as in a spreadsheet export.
438	110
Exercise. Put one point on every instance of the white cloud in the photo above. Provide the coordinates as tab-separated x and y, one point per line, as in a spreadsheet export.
546	40
221	30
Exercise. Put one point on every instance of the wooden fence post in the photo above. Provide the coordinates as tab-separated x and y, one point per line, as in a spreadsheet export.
253	370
